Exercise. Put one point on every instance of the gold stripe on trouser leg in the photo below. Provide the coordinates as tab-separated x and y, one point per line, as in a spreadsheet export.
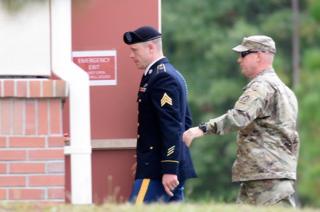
142	191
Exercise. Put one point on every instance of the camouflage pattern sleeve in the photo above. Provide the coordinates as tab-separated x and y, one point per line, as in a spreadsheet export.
248	107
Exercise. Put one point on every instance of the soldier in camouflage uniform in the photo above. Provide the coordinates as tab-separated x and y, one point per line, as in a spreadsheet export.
265	116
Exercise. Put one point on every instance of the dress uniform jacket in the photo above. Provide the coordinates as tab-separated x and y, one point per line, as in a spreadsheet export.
163	117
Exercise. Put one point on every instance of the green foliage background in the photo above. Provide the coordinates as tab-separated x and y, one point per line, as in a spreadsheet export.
198	37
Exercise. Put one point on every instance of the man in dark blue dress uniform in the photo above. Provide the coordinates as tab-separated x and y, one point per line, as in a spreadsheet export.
163	160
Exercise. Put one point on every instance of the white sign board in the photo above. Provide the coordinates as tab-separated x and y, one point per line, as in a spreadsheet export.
101	66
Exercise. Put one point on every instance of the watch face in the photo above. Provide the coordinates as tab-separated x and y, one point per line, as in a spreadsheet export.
203	127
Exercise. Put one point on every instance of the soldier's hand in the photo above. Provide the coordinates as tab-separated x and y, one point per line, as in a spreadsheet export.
170	182
191	134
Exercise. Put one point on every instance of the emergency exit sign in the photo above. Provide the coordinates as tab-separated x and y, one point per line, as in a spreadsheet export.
101	66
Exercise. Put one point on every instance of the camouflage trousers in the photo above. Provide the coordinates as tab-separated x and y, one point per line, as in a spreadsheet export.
269	192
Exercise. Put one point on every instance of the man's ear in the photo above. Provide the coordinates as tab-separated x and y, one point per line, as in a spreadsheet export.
151	46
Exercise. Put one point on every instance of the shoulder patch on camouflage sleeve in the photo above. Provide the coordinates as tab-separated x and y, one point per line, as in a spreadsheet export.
246	100
166	99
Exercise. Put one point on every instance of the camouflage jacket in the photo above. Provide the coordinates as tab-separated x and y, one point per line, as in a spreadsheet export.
265	116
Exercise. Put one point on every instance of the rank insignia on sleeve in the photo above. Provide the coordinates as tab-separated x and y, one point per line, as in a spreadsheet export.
166	100
170	151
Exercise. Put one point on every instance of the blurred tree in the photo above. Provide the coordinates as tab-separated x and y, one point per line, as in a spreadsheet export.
295	43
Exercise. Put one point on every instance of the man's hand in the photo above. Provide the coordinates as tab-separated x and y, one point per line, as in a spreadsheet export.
191	134
170	182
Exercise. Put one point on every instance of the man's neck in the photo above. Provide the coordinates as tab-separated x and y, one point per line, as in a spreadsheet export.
262	69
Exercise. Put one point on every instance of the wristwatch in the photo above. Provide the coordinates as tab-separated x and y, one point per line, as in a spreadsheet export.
203	127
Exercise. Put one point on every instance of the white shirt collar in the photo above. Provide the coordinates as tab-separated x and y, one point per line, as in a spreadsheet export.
151	64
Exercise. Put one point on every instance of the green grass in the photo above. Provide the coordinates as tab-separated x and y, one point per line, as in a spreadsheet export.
111	207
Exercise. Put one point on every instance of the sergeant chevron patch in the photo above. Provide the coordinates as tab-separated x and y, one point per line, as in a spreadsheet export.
170	151
166	100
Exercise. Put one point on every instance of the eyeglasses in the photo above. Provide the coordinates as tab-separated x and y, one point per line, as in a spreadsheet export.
243	54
